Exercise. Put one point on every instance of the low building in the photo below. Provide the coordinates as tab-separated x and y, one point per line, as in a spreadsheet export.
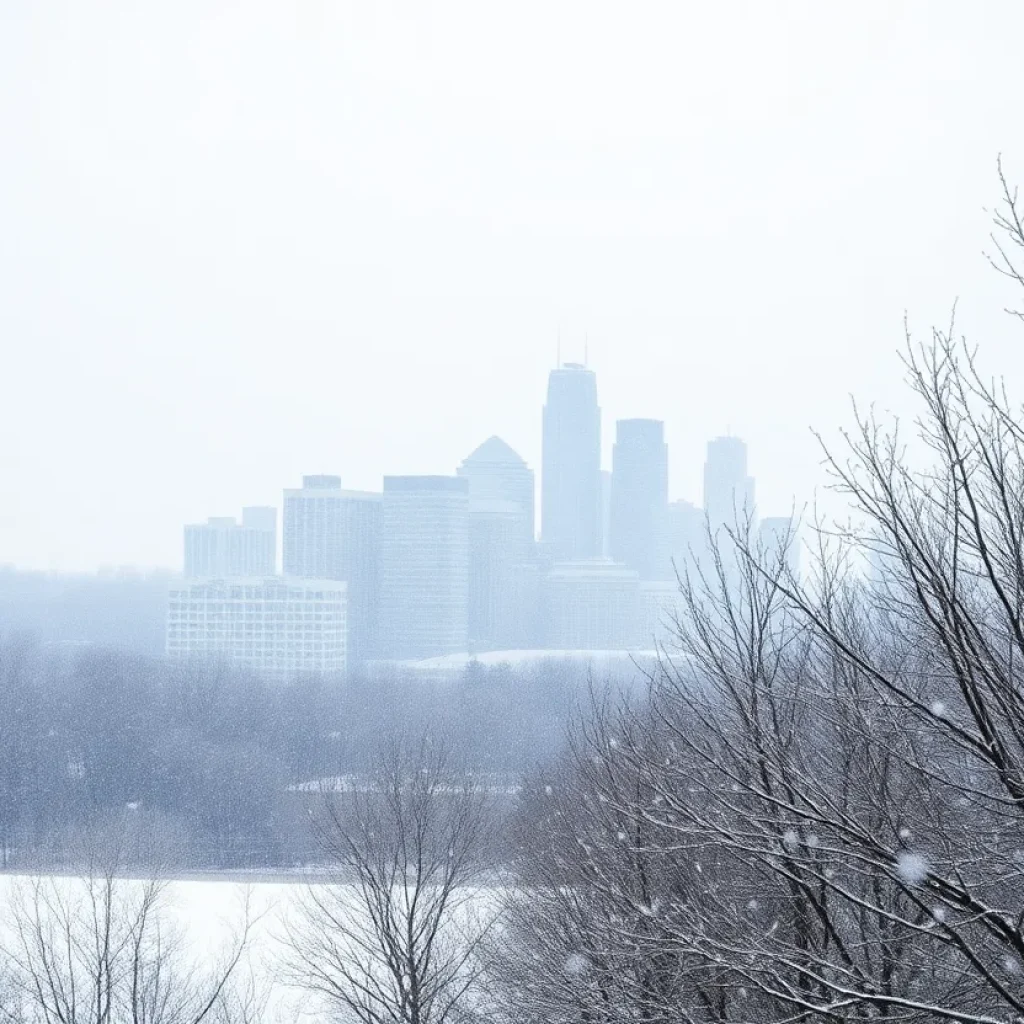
660	604
276	625
592	605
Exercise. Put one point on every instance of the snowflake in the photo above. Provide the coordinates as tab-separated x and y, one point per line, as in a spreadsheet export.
790	840
939	913
812	840
912	868
576	964
904	833
613	743
548	790
938	709
752	904
622	836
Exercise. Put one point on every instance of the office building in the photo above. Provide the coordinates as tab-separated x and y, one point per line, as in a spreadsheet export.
275	625
592	605
571	471
639	498
686	533
335	534
660	604
728	490
501	525
223	547
425	566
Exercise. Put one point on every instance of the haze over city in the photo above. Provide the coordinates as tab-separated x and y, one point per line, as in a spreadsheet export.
244	243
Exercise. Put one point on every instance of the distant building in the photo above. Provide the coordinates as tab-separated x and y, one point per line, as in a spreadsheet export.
278	625
335	534
660	604
425	566
728	490
223	547
639	498
778	538
571	470
501	525
606	512
592	604
686	537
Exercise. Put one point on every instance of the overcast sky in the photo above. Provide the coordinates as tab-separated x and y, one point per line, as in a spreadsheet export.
240	242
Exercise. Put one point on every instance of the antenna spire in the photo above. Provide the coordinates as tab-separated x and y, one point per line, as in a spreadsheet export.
586	349
558	349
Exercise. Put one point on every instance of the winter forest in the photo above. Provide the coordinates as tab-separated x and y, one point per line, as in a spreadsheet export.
810	809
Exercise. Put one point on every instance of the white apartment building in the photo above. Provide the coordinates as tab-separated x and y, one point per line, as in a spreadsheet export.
279	625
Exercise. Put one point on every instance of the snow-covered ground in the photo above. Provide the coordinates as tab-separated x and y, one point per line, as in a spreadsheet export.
208	912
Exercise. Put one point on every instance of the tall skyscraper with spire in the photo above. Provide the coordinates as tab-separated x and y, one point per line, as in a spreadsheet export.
571	471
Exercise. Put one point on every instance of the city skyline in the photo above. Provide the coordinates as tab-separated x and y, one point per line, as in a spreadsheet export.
235	236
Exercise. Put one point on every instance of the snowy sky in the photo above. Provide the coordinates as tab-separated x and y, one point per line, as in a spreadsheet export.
243	241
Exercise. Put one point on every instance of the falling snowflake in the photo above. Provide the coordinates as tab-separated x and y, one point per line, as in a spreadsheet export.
548	790
938	709
622	836
752	904
939	913
912	868
576	964
904	833
790	840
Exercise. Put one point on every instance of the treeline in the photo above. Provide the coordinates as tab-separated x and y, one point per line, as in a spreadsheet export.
209	755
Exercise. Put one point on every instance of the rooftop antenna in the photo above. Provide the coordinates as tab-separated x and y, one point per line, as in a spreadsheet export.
586	349
558	350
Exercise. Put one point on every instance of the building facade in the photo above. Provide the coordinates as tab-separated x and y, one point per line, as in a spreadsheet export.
425	566
501	542
571	470
278	626
335	534
639	498
728	490
592	605
223	547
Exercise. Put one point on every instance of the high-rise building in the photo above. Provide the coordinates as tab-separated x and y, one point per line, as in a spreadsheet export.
223	547
571	471
728	490
335	534
592	605
686	533
606	512
501	527
639	498
778	538
425	566
279	626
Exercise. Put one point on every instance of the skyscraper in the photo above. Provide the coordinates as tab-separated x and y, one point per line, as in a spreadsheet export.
334	534
221	547
728	490
501	527
425	566
639	498
571	481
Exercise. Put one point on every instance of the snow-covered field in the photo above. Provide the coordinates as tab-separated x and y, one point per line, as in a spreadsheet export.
208	913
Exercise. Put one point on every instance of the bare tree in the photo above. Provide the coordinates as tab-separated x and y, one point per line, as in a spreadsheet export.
392	935
99	948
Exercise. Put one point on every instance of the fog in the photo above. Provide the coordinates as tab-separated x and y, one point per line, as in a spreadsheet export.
243	242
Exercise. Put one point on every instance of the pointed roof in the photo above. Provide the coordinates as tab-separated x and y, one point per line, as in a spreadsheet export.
495	450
